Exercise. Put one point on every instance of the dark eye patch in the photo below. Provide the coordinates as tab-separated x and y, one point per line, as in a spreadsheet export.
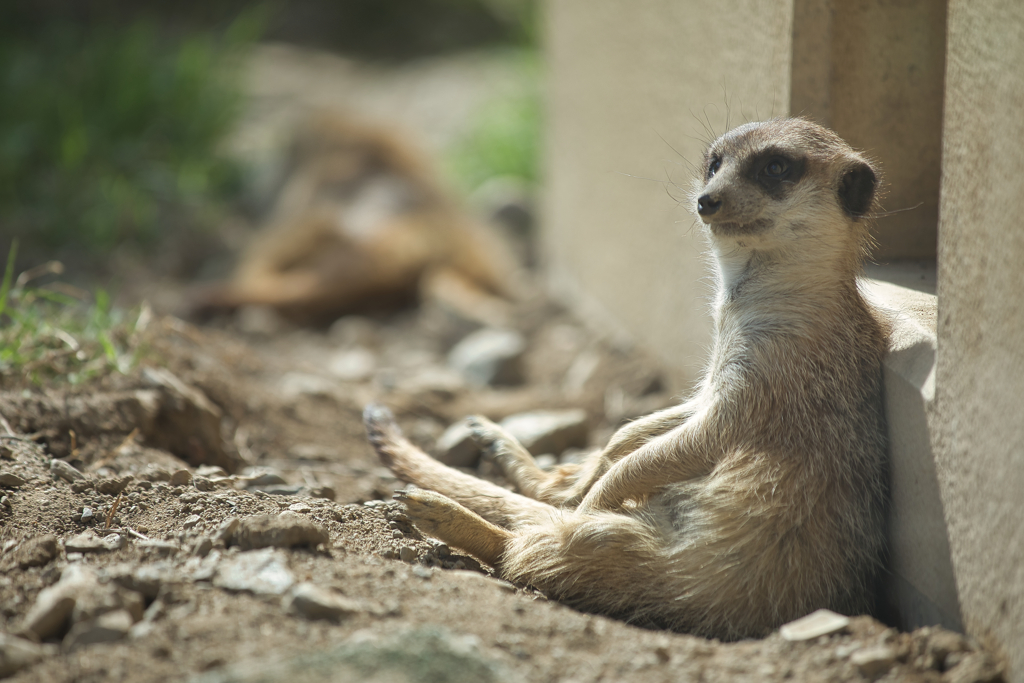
714	163
775	171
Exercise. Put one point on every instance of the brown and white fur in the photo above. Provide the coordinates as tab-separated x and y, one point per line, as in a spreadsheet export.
361	223
760	498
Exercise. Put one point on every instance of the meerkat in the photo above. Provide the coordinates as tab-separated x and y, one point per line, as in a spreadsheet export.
361	223
759	499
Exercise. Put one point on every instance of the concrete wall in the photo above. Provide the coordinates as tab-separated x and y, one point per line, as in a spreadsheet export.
979	443
636	91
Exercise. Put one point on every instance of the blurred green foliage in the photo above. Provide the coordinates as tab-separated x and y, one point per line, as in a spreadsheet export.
110	134
505	136
47	334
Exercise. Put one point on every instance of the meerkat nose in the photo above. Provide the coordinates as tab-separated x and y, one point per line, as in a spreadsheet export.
707	206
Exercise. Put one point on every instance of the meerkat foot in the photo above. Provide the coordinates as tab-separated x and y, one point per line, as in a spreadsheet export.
516	463
439	516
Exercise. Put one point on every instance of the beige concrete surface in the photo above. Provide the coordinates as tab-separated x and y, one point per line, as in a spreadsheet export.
921	589
872	70
635	92
979	444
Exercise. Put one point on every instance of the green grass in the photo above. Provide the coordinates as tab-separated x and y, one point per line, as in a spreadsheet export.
112	134
504	138
59	334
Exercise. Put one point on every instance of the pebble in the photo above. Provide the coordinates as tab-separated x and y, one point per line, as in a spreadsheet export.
226	531
300	508
407	554
17	653
874	661
353	365
823	622
163	548
286	530
87	542
181	478
87	515
11	480
264	478
65	471
106	628
191	521
5	501
311	601
36	552
489	357
457	448
548	431
264	572
112	487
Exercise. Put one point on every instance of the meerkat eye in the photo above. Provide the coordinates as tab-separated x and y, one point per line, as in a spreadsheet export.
776	167
716	163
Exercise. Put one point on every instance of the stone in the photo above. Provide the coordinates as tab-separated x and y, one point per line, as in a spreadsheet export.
113	486
264	478
296	384
489	357
226	531
18	653
300	508
36	552
943	643
407	554
88	515
874	661
191	521
822	622
263	572
286	530
548	431
203	484
49	613
87	542
163	548
65	471
115	541
457	448
352	365
311	601
180	478
106	628
11	480
202	546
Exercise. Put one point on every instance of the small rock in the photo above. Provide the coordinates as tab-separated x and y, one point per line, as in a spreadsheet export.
211	471
112	487
162	548
546	461
457	448
106	628
874	661
65	471
5	501
36	552
352	365
17	653
49	614
180	478
489	357
823	622
191	521
264	572
323	492
11	480
203	546
264	478
296	384
407	554
115	542
300	508
943	643
88	515
226	531
548	431
313	602
286	530
203	484
87	542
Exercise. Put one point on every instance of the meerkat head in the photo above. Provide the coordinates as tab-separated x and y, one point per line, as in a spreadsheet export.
786	183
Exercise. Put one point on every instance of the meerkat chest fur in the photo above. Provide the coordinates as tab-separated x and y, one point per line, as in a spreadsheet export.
797	351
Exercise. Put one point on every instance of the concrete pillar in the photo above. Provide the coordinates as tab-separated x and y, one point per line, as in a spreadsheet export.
979	443
636	90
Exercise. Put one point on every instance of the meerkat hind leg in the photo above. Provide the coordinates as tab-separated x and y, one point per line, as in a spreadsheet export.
443	518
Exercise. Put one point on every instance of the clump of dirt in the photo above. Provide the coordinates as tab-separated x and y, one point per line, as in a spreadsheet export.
218	516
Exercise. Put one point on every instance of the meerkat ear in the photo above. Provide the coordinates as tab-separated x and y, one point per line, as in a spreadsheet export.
857	189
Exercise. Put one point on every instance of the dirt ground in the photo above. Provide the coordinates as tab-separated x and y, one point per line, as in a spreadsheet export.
217	515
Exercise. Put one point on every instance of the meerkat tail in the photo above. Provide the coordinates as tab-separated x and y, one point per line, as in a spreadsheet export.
493	503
